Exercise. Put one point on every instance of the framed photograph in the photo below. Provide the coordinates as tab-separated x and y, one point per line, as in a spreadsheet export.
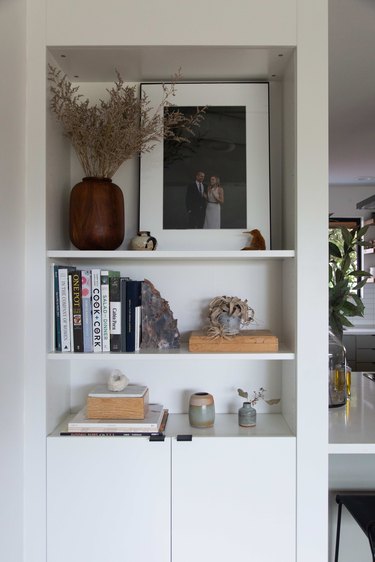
206	193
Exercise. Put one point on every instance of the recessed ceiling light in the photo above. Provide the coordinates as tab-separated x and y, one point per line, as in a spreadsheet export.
366	178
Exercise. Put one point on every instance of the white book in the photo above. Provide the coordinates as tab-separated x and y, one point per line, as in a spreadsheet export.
64	309
96	304
151	422
130	391
138	328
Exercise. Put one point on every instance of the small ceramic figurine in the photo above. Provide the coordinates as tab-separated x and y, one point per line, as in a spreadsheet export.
257	241
143	241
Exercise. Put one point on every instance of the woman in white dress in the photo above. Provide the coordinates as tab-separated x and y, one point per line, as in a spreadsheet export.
215	198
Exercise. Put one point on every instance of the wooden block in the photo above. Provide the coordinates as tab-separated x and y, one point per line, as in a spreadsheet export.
246	341
130	403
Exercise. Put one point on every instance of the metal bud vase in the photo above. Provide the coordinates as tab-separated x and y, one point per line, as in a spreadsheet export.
201	410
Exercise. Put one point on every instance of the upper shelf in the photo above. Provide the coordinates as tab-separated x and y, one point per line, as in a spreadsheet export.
172	255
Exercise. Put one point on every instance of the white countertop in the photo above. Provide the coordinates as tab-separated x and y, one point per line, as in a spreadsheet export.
352	427
358	330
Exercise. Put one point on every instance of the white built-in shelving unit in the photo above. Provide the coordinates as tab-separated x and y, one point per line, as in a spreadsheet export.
176	489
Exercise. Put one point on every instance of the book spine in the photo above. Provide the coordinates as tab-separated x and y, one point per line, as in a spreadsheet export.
111	434
133	299
123	281
114	311
86	311
138	327
96	302
105	311
70	300
57	324
77	311
64	309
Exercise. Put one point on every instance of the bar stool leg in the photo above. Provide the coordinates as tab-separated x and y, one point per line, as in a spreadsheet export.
372	545
338	533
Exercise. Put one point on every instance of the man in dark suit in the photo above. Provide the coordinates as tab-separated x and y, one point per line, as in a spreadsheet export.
196	201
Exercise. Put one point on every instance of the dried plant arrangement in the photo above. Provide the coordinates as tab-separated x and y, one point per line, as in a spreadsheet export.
106	134
257	395
227	306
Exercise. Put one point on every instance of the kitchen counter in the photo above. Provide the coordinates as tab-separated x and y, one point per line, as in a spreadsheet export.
359	330
352	427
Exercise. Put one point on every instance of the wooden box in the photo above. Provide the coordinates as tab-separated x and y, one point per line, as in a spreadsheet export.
246	341
130	403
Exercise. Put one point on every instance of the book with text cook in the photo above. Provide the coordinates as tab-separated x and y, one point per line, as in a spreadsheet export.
96	310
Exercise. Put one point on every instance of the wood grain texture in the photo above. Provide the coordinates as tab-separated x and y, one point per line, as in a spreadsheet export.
246	341
117	408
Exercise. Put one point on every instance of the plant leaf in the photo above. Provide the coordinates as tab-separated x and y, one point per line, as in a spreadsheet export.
242	393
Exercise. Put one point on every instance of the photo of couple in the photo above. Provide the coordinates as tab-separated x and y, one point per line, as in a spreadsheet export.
204	180
203	202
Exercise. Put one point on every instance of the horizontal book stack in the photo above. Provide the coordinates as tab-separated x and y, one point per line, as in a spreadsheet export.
96	310
153	423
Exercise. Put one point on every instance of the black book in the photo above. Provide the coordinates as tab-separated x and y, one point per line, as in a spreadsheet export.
77	310
133	301
114	312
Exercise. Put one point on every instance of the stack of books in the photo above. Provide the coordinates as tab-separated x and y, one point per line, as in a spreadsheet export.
96	310
153	424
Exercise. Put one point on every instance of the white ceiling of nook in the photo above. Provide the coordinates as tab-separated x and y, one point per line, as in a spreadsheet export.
351	78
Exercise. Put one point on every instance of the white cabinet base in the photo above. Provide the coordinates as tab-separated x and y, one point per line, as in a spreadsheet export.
108	500
232	501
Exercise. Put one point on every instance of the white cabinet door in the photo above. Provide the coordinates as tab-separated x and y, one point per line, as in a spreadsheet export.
108	499
233	499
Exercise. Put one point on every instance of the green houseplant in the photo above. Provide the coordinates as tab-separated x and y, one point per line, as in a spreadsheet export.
104	135
345	280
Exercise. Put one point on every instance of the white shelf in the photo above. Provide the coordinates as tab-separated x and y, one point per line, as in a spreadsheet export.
174	354
226	425
171	255
351	427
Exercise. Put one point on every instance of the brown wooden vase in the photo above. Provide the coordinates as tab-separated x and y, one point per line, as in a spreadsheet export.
96	215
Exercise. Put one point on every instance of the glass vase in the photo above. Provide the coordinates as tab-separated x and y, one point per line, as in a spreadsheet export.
337	368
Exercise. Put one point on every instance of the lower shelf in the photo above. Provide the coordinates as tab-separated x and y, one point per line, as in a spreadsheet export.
226	425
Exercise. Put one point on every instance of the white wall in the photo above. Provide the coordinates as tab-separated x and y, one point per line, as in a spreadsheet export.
344	198
12	217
